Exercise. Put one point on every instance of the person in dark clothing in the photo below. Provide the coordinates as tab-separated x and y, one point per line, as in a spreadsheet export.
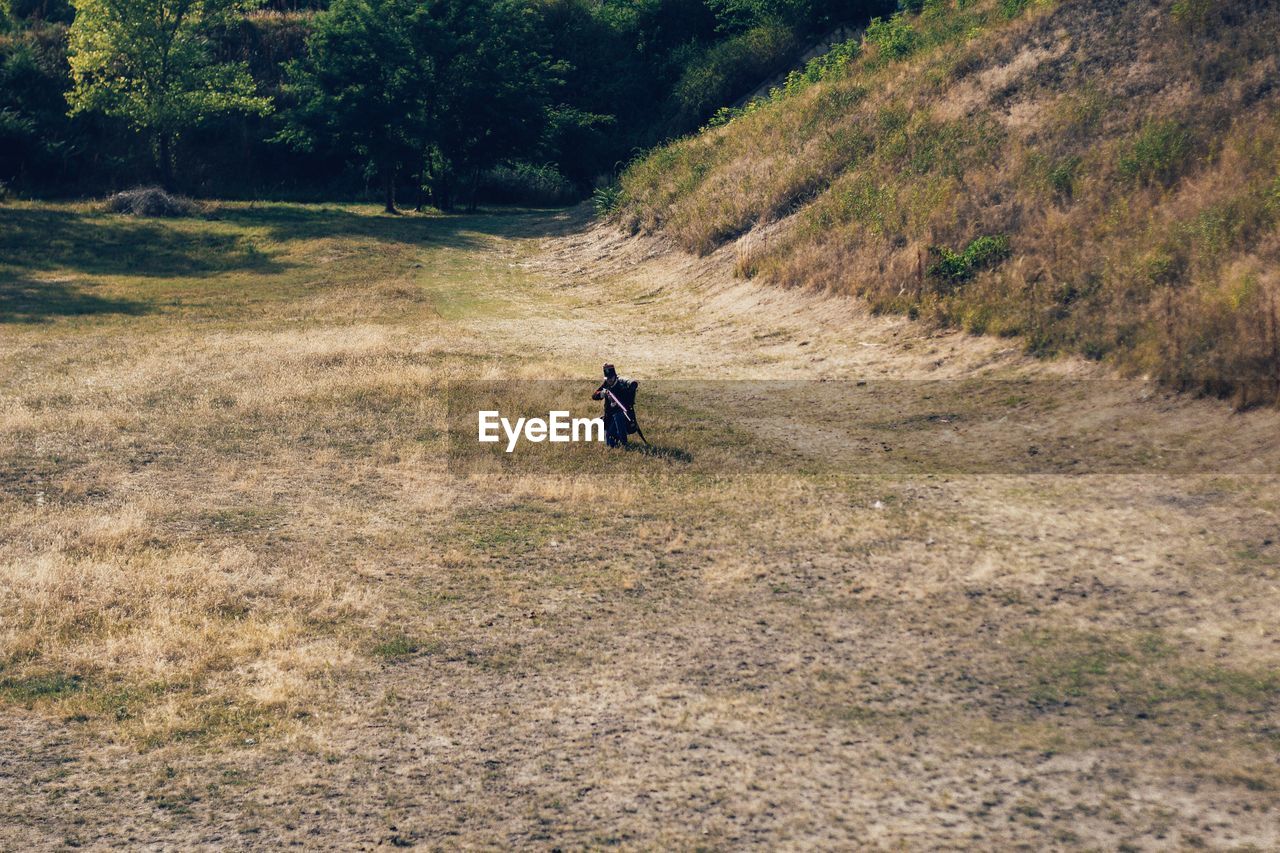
619	396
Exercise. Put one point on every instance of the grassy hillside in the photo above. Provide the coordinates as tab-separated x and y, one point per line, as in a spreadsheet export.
1097	177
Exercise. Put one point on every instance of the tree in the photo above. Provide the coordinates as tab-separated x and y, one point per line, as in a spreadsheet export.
361	86
152	63
801	15
493	87
23	139
444	87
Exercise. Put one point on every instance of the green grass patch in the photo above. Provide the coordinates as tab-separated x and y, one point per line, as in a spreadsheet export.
518	528
1013	8
242	519
398	647
30	689
1138	675
1159	153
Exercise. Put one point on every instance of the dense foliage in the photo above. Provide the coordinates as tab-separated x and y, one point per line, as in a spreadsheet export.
151	63
436	99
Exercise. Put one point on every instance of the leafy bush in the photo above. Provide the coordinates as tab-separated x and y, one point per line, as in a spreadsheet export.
723	116
987	251
729	68
895	38
1157	154
526	183
823	67
607	199
42	10
956	267
826	66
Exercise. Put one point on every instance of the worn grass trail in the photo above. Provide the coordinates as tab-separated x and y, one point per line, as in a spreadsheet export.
246	603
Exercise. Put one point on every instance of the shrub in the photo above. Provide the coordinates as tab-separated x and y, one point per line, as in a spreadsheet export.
721	117
151	201
607	199
59	11
526	183
728	69
1013	8
1157	154
1062	177
956	267
826	66
895	38
987	251
823	67
949	265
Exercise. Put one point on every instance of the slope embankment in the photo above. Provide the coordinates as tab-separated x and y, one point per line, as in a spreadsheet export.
1095	178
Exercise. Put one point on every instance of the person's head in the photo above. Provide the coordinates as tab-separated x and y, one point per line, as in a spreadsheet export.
610	374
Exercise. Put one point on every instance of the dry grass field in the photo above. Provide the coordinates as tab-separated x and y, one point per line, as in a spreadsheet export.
244	601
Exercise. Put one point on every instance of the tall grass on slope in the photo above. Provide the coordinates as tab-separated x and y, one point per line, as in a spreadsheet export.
1126	154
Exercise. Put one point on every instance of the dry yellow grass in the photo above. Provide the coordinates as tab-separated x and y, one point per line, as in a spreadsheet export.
180	496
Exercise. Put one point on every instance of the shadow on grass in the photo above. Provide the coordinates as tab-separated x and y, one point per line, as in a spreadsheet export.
103	244
658	451
94	244
24	300
286	222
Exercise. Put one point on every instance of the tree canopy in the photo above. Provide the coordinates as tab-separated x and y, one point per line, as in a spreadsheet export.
361	87
439	88
151	63
323	98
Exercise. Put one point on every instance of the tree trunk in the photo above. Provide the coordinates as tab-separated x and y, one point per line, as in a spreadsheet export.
474	189
164	156
421	184
389	188
442	189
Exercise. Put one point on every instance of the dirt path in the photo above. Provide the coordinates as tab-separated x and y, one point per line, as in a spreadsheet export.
828	658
